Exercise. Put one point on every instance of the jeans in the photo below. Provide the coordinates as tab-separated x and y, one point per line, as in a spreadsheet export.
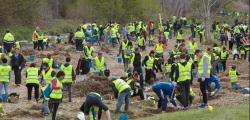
40	45
113	41
124	96
149	75
99	73
67	86
5	85
162	102
46	107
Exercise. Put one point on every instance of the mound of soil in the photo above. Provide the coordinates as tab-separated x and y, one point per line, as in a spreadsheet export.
24	113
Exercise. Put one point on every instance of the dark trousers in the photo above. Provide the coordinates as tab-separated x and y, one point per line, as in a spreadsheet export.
231	44
203	89
139	71
224	65
149	74
184	88
67	87
54	107
162	102
29	87
8	46
79	46
18	77
35	44
40	44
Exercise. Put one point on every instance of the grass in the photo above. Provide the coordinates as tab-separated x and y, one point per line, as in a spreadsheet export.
240	112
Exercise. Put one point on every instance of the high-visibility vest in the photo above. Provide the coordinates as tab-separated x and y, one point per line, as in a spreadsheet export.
5	73
159	48
68	73
47	76
32	75
233	76
166	34
121	85
113	33
39	36
79	35
179	36
209	60
192	47
242	52
184	72
216	57
17	45
217	50
200	66
45	40
223	55
150	62
56	94
140	41
168	68
9	37
124	45
99	65
49	61
89	52
129	83
34	38
133	58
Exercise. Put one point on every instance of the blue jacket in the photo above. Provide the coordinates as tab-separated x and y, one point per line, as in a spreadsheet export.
216	80
166	87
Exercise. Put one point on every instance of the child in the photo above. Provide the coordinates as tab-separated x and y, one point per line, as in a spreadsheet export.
233	75
45	93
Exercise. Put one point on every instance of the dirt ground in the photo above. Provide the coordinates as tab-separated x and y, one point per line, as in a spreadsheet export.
30	110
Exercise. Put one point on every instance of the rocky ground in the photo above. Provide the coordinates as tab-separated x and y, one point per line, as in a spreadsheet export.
29	110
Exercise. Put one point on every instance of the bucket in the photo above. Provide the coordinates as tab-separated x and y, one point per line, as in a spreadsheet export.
119	59
57	65
31	57
123	117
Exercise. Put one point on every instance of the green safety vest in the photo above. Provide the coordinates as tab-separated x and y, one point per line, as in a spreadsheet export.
47	76
242	52
124	45
49	61
17	44
99	65
89	52
9	37
216	57
159	48
79	35
166	34
39	36
5	73
128	52
150	62
184	72
179	36
32	75
200	66
56	94
192	48
217	50
121	85
168	68
68	73
113	33
140	41
233	76
223	55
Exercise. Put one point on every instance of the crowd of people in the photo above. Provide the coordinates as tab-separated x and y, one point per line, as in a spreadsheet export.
177	67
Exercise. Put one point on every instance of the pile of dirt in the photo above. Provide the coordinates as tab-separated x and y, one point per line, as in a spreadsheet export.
36	107
100	86
24	113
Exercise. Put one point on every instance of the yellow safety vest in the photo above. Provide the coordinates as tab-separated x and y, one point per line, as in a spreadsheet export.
216	57
166	34
56	94
209	60
140	41
32	75
99	65
17	44
159	48
242	52
5	73
47	76
223	55
184	72
192	47
124	45
129	83
113	33
217	50
68	73
150	62
233	76
9	37
88	52
179	36
49	61
128	52
121	85
200	66
79	35
133	58
168	68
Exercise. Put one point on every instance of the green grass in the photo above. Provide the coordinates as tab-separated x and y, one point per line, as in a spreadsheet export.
240	112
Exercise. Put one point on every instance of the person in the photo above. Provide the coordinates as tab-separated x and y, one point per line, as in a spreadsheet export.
56	93
121	91
223	57
17	64
82	68
192	47
136	61
149	65
99	65
5	77
35	38
47	73
40	38
68	69
32	80
88	52
236	53
167	67
159	49
183	79
213	85
113	35
45	95
162	90
233	75
128	52
174	66
141	42
136	89
49	60
8	41
203	75
94	100
79	37
179	37
122	48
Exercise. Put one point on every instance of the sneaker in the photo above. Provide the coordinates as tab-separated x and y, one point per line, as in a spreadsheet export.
203	105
